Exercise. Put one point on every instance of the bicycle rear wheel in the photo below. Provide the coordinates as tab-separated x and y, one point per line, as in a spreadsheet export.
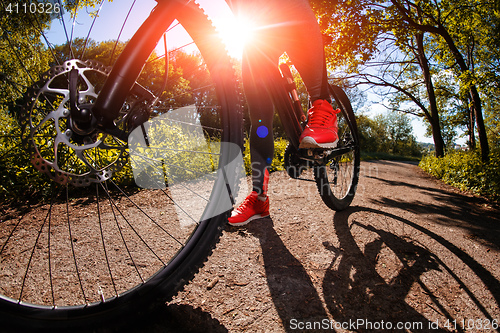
88	245
337	178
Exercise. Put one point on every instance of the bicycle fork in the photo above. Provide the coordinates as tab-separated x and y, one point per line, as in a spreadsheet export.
288	105
292	90
129	65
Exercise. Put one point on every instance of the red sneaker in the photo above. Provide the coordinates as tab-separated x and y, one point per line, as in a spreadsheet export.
251	208
321	128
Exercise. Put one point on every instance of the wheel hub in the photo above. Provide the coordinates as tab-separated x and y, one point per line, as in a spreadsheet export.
60	132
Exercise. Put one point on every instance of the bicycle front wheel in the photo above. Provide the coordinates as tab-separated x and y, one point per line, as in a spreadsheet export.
105	226
337	179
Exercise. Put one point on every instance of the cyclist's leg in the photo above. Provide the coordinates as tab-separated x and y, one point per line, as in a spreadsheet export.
304	45
306	50
292	26
255	72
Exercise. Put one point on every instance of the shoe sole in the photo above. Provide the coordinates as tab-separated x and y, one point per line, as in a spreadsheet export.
250	219
309	142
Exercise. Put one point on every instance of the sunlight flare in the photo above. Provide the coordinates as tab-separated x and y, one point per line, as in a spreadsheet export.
235	33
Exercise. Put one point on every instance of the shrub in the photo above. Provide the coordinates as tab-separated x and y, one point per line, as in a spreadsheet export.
466	171
19	179
280	145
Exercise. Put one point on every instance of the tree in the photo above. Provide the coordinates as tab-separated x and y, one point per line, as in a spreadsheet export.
373	134
457	35
368	23
401	68
22	54
400	133
388	133
418	72
23	51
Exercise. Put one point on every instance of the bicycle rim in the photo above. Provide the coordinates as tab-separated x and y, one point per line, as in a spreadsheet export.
338	178
90	244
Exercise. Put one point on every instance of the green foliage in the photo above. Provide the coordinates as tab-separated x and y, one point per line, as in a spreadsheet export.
351	23
389	133
81	48
19	179
466	171
20	67
413	42
277	164
22	55
176	149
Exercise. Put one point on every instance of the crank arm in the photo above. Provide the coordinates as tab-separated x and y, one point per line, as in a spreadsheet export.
324	155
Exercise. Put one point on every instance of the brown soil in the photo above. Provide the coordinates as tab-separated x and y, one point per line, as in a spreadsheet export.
410	251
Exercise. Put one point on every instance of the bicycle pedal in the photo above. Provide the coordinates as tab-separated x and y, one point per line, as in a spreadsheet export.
314	154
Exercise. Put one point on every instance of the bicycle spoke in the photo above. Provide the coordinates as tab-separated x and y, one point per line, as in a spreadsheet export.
114	206
90	30
170	198
104	241
73	248
95	234
114	209
49	261
28	266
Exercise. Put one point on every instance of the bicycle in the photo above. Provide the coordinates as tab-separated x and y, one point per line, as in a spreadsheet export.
75	259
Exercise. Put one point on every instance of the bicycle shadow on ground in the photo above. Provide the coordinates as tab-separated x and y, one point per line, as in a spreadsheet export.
451	209
348	297
354	289
291	288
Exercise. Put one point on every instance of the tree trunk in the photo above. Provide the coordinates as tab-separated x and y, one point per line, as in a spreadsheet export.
481	129
473	94
472	136
437	137
433	115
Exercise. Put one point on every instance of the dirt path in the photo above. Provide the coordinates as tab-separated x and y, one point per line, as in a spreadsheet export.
410	252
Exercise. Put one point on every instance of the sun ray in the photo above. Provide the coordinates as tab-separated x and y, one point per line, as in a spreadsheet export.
235	31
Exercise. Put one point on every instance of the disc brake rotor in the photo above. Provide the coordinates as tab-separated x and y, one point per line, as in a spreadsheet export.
56	148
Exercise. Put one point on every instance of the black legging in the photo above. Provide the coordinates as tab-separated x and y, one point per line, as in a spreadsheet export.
284	26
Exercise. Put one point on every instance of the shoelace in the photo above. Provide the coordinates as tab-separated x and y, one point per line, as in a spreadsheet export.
249	201
318	117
